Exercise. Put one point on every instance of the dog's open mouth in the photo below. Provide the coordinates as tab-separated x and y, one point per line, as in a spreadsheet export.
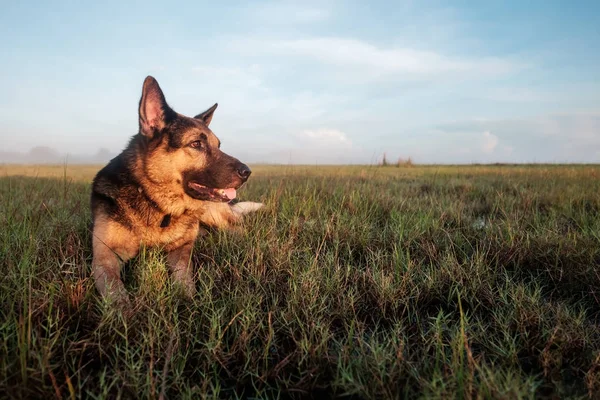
206	193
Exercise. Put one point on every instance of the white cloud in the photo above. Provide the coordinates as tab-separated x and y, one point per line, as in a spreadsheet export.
490	141
373	61
325	136
311	146
577	126
572	137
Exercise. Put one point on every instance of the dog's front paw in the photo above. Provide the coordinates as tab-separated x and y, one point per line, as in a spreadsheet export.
119	302
246	207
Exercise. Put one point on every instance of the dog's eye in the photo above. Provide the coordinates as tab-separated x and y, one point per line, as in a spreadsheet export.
196	144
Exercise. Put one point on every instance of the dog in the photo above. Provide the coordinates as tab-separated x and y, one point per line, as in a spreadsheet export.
170	179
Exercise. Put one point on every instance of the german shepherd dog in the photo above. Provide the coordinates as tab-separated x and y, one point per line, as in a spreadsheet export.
170	179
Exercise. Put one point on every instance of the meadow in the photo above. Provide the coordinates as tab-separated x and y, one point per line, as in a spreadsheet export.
356	282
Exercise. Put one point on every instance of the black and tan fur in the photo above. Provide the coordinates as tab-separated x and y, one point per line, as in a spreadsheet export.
159	190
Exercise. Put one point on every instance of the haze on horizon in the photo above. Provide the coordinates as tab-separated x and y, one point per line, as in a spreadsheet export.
313	82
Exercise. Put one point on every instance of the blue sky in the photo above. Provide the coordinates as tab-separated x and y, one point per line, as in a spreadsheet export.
312	82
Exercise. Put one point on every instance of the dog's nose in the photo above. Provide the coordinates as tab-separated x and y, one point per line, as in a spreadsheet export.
243	171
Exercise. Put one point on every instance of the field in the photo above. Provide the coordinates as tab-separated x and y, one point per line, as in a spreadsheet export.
356	282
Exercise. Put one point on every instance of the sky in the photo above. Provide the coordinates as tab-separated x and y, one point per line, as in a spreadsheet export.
322	82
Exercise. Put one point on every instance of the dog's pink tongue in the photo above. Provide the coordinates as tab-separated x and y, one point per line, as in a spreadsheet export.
230	193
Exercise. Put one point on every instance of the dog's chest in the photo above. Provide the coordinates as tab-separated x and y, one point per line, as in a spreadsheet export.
170	232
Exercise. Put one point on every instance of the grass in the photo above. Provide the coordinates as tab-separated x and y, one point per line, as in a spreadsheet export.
357	282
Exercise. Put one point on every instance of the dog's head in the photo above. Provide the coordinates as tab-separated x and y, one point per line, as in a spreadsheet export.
183	151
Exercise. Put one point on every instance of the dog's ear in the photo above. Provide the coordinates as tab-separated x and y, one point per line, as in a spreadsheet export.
154	112
207	115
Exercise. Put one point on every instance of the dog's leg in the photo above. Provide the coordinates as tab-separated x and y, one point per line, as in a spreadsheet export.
106	270
226	216
246	207
181	270
112	246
